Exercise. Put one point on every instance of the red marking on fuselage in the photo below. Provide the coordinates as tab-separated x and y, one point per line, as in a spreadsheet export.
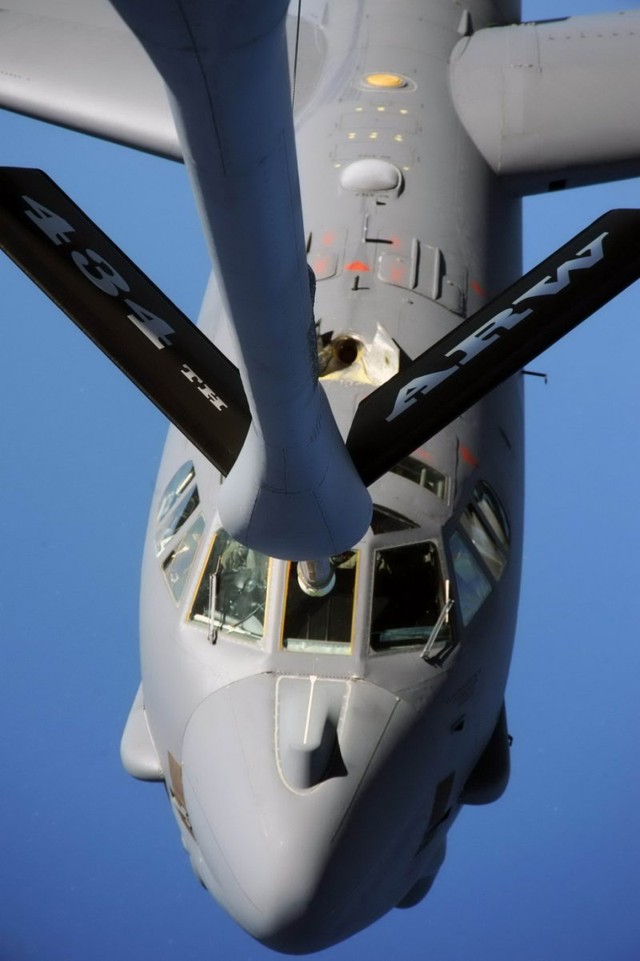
477	288
468	456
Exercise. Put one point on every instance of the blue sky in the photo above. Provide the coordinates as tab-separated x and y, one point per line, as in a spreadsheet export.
90	860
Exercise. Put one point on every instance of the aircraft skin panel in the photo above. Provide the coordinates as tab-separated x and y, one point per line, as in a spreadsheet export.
78	66
555	103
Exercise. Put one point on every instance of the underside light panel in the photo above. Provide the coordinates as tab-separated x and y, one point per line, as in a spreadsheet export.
385	81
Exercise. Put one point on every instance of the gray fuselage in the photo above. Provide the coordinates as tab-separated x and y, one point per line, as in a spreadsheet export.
315	760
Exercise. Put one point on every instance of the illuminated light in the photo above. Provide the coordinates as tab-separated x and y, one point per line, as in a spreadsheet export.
373	135
351	136
356	265
406	168
359	109
388	80
381	109
337	166
404	110
399	137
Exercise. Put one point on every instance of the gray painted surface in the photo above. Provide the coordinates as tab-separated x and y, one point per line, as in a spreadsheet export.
444	207
553	101
78	66
283	761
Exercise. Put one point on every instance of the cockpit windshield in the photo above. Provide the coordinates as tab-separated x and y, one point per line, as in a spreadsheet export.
410	600
231	596
409	596
322	625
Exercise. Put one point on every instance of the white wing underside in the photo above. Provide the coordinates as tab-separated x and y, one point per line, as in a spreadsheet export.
75	64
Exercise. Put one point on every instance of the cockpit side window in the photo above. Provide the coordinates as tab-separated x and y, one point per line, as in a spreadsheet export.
179	483
483	542
176	567
232	593
473	587
408	598
416	469
485	522
385	520
493	513
179	502
177	517
322	625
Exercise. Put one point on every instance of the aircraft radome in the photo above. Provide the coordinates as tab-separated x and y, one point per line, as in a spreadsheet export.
73	572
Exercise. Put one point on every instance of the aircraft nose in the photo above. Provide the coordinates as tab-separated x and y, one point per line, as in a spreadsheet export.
271	767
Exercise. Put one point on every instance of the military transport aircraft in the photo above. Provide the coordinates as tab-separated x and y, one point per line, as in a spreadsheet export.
308	767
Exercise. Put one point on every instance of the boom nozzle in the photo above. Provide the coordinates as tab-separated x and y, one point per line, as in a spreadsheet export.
316	578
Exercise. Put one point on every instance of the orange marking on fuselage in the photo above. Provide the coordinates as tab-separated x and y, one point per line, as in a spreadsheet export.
356	265
477	288
468	456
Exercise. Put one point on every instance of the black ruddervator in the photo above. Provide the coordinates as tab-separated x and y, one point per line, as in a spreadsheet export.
124	313
200	391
